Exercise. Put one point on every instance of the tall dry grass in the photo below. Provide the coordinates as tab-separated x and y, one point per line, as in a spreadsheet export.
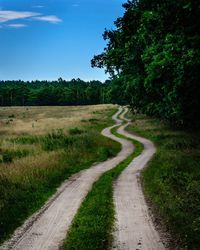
40	120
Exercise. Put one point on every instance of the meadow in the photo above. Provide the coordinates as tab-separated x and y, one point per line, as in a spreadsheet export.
42	146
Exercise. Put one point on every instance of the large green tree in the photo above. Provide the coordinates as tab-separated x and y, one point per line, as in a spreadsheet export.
154	54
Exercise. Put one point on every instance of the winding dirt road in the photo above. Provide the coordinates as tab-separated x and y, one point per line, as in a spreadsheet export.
47	228
134	228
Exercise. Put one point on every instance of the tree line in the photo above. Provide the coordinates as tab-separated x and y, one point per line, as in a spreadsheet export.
153	58
60	92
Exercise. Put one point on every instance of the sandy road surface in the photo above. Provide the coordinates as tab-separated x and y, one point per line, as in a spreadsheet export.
47	228
134	228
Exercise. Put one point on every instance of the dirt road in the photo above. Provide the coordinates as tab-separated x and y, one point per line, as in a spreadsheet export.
47	228
134	228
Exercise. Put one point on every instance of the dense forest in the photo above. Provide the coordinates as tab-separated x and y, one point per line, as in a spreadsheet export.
153	57
60	92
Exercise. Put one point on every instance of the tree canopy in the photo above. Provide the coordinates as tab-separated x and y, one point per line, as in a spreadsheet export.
153	57
60	92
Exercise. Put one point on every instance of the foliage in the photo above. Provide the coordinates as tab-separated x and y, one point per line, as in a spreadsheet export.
60	92
153	57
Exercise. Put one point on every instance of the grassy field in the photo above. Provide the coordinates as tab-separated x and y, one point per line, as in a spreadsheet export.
172	179
93	224
42	146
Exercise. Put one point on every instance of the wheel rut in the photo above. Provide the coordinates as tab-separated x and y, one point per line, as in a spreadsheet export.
47	228
134	229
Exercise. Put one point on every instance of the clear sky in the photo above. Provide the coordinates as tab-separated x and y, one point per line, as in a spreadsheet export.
48	39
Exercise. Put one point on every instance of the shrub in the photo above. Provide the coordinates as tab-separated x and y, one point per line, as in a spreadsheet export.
75	131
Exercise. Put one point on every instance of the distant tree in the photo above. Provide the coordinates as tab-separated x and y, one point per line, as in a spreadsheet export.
60	92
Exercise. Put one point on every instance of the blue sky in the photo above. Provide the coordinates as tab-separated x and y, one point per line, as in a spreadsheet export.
47	39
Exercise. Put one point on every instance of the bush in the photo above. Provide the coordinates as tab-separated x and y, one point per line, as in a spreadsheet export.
9	155
75	131
56	140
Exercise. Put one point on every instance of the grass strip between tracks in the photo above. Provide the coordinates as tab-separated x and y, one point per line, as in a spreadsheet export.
93	224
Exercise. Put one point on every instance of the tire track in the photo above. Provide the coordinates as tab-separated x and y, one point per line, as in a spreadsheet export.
134	229
47	228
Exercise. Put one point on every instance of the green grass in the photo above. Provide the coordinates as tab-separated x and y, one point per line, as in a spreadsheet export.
7	156
75	131
172	180
92	226
24	190
26	140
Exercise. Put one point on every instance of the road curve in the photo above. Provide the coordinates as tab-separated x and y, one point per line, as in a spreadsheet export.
134	229
47	228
